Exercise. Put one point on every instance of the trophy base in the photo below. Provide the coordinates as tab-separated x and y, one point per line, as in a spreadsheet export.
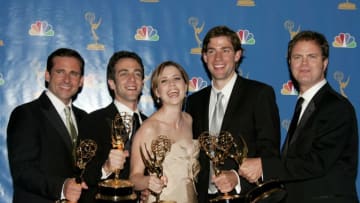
115	190
269	191
228	199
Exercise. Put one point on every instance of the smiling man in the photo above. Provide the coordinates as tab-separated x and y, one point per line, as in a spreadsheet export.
249	110
40	145
320	156
125	77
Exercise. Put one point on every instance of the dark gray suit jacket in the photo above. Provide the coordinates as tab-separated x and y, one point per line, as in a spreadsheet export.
40	151
251	112
320	164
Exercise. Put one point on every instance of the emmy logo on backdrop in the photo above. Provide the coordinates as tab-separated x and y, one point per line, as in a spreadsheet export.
268	191
194	22
118	190
90	17
339	77
84	152
245	3
289	25
347	6
150	1
153	160
217	148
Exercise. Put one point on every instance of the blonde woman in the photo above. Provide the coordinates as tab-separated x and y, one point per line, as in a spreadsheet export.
169	84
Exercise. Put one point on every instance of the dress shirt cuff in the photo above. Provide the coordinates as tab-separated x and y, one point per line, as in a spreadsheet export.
62	192
238	186
103	174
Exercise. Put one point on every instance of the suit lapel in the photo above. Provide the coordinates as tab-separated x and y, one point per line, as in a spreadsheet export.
111	111
234	100
55	120
305	117
202	107
309	111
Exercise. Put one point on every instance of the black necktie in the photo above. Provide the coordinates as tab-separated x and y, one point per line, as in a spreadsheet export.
135	124
295	118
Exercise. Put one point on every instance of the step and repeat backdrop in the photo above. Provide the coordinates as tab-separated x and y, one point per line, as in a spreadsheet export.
160	30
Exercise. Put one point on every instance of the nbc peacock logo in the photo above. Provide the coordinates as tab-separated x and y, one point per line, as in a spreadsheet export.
41	28
344	40
288	88
246	37
196	84
147	33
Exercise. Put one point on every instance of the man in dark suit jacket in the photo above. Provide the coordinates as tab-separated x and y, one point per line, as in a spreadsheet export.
125	75
250	111
319	159
39	144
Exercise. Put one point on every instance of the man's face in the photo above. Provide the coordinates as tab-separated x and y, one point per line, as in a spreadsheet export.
65	78
221	58
128	82
307	64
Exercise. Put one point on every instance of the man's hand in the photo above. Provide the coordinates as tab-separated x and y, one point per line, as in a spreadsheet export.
116	160
226	181
251	169
72	190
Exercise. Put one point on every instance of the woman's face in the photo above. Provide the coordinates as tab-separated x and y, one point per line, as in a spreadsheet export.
171	86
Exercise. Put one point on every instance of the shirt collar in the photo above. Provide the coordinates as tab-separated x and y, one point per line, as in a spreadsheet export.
310	93
123	108
58	104
227	89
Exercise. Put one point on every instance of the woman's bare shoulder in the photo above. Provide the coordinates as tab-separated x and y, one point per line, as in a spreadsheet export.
187	117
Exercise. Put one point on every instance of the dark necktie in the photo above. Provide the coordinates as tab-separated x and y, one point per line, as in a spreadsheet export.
295	119
135	124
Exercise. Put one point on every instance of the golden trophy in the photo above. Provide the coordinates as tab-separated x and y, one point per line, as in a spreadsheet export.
90	17
117	190
194	22
154	159
217	148
268	191
84	152
246	3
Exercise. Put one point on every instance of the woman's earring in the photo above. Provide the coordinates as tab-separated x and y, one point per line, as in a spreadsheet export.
158	100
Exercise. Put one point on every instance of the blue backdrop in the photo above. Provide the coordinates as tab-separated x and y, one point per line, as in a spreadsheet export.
166	30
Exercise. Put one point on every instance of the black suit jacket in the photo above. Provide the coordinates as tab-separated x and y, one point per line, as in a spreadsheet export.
320	164
251	112
97	126
40	151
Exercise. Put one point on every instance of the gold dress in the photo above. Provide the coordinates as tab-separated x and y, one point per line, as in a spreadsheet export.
181	167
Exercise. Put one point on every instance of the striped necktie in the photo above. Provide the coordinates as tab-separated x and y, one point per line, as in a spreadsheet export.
70	125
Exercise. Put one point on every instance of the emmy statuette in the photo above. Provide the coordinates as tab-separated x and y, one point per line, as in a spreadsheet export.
217	148
118	190
154	159
84	152
268	191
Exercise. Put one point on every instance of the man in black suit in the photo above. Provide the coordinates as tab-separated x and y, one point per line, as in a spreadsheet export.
320	155
125	77
40	148
250	111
